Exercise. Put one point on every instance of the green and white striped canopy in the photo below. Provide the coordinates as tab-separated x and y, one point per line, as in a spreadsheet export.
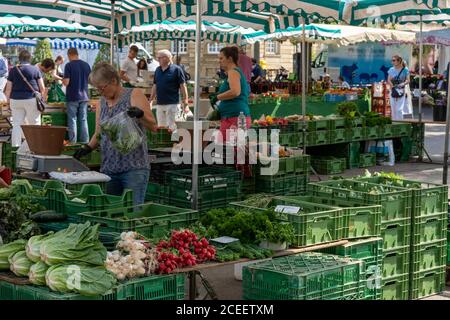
186	30
335	34
138	12
358	12
28	27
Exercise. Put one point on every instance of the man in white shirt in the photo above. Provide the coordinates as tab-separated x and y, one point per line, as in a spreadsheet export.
129	69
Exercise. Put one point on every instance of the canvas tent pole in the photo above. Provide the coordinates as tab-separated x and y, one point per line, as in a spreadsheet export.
420	67
447	127
304	84
197	128
113	17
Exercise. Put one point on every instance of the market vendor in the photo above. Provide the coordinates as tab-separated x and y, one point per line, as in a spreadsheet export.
326	84
130	171
343	84
233	93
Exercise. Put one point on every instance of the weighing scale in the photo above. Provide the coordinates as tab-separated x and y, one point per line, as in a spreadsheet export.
46	164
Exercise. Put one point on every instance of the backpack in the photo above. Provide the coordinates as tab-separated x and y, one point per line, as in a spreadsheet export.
3	68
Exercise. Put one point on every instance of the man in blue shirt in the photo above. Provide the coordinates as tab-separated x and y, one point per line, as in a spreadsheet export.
76	74
257	75
169	80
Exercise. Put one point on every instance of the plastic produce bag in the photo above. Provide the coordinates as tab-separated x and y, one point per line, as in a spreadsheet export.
80	177
56	94
124	133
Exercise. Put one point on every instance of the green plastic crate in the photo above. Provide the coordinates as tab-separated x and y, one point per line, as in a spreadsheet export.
307	276
90	198
328	165
355	134
318	124
369	250
396	235
371	133
282	185
151	220
396	263
167	287
317	138
386	131
161	138
155	192
448	247
313	224
296	164
367	160
396	202
336	123
429	229
402	129
355	122
338	136
395	288
38	183
427	283
7	291
359	221
428	198
429	256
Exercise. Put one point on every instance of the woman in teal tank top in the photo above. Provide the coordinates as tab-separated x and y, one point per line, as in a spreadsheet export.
234	91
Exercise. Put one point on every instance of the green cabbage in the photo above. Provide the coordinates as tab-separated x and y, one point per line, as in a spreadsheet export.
85	280
20	264
9	249
78	244
37	273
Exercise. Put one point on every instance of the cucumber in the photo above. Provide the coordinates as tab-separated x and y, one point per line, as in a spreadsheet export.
48	216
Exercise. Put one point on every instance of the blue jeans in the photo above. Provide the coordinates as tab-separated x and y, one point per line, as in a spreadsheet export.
136	180
77	110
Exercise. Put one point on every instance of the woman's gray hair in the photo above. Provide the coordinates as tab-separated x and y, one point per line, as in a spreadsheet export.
103	73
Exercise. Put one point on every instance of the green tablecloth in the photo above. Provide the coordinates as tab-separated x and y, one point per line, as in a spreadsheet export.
314	105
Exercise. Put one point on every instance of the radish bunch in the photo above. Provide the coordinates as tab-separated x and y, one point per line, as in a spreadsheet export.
182	250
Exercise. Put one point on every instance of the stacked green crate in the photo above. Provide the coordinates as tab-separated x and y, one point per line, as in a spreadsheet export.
217	187
329	165
428	241
306	276
369	250
395	223
281	176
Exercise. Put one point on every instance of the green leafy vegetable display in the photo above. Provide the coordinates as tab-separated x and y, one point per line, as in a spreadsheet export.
78	243
123	132
9	249
33	247
82	279
37	273
236	251
20	264
249	227
374	119
347	109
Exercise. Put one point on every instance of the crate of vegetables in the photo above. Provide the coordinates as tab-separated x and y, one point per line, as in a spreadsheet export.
396	202
150	219
338	136
313	223
367	160
355	134
156	287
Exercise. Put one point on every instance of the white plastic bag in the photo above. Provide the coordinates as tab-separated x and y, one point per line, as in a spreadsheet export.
80	177
385	147
124	133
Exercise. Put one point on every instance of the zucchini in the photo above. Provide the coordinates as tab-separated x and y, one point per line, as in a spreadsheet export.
48	216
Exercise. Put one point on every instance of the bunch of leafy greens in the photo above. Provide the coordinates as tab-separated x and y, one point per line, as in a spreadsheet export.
374	119
33	246
82	279
37	272
78	244
20	264
9	249
248	226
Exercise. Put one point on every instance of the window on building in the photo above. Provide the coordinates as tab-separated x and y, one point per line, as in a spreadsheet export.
214	48
182	47
272	47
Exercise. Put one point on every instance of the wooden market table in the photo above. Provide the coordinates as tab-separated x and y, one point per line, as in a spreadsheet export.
192	272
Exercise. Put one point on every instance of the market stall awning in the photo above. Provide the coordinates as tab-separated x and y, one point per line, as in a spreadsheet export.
137	12
336	34
28	27
73	43
441	37
390	11
185	30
